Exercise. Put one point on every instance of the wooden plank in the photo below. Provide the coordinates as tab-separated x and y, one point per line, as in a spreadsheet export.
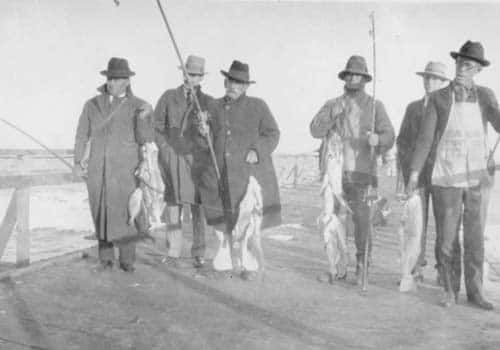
21	181
8	223
23	232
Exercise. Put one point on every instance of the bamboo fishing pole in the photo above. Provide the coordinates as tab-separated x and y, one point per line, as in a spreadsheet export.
184	72
57	156
370	195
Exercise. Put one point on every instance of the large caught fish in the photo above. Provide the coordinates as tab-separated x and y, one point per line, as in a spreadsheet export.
410	234
333	220
148	196
246	250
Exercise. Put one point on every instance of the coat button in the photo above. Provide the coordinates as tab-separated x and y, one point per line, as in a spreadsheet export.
227	107
228	154
228	132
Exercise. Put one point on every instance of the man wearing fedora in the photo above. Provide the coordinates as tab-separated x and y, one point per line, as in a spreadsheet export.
181	160
453	143
244	134
434	78
116	123
352	117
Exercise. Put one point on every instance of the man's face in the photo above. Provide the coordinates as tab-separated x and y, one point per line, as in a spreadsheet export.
432	83
234	88
465	69
117	86
193	79
354	81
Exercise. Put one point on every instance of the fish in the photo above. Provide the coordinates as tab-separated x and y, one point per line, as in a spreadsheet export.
334	219
151	188
244	253
410	234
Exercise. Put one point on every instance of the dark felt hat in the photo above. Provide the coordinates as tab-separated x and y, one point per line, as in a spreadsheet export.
118	68
472	50
238	71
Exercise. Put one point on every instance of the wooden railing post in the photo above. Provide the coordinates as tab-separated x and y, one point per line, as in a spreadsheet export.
23	232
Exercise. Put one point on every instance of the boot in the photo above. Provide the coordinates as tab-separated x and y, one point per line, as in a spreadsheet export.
449	297
478	301
359	272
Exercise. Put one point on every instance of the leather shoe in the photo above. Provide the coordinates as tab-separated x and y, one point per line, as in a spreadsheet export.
199	262
325	277
103	266
127	267
478	301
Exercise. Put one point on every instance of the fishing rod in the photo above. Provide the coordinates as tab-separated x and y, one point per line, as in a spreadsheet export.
370	196
57	156
184	72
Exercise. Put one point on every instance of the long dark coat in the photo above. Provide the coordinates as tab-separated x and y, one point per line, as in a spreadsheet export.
172	117
407	141
114	156
237	127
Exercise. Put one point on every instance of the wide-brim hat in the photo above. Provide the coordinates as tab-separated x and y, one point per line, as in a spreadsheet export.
434	69
118	68
356	65
195	65
238	71
472	50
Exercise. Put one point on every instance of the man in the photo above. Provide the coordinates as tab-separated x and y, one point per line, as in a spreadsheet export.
453	142
244	135
179	159
115	123
352	117
434	77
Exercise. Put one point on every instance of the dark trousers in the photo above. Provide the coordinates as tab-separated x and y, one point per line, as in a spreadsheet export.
126	252
355	197
455	206
198	218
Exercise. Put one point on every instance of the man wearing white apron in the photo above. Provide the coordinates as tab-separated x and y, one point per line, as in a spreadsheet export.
453	140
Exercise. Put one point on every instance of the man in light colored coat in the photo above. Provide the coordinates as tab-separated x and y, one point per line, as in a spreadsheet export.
115	123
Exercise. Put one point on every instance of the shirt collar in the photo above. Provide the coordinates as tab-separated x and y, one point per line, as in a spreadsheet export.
464	93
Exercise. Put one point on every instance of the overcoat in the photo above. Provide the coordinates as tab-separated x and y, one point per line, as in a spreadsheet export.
179	157
407	140
237	127
114	156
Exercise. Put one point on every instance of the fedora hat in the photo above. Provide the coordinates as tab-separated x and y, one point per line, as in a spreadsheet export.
472	50
195	65
434	69
356	65
117	68
238	71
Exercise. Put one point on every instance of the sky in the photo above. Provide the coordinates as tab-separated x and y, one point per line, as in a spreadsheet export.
53	50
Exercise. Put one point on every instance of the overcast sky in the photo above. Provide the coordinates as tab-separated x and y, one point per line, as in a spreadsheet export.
52	51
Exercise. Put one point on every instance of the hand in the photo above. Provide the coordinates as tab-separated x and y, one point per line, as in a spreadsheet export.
144	110
203	127
412	183
252	157
80	171
373	139
339	107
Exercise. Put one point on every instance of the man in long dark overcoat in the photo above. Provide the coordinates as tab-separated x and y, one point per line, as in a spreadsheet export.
453	141
244	134
114	124
434	77
181	159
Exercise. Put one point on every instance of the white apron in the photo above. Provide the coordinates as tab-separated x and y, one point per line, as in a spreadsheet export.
462	151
